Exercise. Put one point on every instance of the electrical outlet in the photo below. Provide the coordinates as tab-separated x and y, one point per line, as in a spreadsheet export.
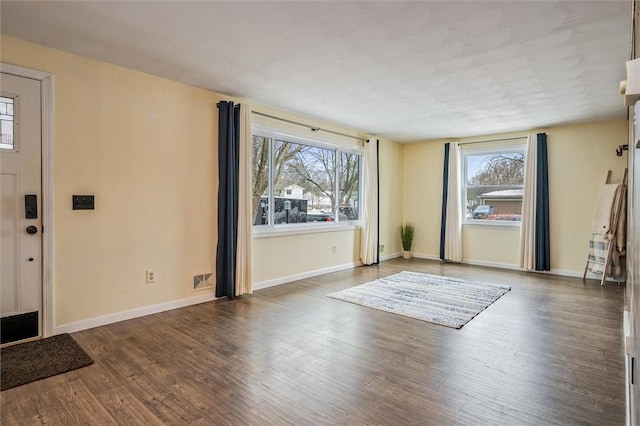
334	248
151	276
381	247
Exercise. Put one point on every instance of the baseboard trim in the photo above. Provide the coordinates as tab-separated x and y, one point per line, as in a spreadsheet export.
181	303
509	266
425	256
470	261
492	264
72	327
568	273
578	274
389	256
295	277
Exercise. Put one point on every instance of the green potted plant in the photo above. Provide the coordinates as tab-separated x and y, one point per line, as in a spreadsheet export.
407	230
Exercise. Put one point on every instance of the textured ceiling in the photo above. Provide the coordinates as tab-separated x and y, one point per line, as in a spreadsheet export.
405	71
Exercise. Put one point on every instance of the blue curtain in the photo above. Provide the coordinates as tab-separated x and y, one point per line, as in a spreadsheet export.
542	230
378	199
445	196
228	174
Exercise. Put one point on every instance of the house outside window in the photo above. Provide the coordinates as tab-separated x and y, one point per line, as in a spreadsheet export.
493	183
301	181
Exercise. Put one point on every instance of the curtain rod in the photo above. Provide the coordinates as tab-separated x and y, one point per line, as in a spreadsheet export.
492	140
312	128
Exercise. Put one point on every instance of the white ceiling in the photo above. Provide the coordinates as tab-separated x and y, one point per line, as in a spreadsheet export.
405	71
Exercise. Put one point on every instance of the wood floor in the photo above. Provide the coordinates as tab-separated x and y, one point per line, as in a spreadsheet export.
550	351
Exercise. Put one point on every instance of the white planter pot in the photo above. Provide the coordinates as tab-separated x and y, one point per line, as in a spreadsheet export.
406	254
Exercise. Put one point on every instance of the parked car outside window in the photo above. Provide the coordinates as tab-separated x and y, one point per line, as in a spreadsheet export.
482	211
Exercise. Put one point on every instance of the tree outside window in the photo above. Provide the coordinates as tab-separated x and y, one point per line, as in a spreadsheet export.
307	175
494	184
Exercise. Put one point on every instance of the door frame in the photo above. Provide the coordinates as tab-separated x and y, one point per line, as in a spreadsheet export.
46	99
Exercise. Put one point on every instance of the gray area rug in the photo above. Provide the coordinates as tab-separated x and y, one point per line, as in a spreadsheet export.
27	362
442	300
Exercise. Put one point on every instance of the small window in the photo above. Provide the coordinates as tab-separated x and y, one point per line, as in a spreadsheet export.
493	184
6	123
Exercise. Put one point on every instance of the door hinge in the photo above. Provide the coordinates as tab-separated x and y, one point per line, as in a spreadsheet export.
632	372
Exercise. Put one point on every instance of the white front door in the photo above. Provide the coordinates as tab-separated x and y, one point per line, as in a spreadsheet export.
21	208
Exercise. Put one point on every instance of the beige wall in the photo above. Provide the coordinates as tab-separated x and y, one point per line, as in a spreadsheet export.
276	258
146	147
579	157
423	194
391	196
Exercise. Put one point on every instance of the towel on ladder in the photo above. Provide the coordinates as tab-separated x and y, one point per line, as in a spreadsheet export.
605	205
598	249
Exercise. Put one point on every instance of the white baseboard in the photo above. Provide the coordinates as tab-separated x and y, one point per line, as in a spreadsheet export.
559	272
389	256
500	265
492	264
577	274
303	275
425	256
72	327
469	261
181	303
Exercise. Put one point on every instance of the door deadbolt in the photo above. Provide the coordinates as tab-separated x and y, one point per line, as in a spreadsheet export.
32	230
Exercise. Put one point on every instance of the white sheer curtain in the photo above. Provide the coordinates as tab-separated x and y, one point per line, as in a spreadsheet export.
453	226
369	232
528	225
245	209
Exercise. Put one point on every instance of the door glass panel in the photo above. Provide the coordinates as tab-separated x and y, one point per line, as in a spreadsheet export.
6	123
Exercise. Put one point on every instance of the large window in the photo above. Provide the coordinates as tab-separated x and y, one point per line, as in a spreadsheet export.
299	182
493	184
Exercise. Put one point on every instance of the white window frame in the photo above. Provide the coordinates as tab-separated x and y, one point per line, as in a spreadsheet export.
515	145
275	230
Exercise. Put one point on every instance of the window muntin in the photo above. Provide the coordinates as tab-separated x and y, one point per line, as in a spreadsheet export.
298	180
493	184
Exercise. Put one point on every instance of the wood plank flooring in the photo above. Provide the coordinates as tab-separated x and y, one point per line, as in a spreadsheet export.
550	351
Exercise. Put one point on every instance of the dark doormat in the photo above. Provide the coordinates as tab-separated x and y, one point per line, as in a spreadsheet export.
27	362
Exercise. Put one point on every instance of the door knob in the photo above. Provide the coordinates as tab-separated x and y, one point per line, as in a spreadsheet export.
30	259
32	230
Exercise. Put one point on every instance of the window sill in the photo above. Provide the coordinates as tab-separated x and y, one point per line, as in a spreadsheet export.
492	223
287	230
